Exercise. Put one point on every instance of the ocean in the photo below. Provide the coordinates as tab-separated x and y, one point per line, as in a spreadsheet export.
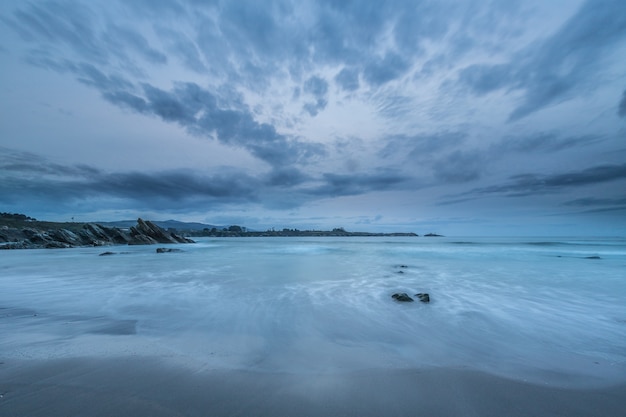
544	310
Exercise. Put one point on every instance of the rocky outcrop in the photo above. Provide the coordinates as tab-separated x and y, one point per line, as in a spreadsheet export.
148	233
97	235
144	233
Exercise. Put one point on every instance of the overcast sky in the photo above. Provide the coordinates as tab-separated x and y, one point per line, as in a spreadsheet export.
460	117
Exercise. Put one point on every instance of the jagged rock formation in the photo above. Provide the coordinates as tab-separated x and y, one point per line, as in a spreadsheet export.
144	233
148	233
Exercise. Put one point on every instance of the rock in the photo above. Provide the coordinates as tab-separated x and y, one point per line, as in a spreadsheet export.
593	257
107	253
65	236
153	232
167	250
142	240
423	297
91	234
97	235
57	245
403	297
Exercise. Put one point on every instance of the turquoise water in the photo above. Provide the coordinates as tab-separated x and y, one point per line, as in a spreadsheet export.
538	309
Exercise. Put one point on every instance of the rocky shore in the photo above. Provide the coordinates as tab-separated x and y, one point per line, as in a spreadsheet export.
34	236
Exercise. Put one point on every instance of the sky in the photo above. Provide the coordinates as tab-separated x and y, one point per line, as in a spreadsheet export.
470	117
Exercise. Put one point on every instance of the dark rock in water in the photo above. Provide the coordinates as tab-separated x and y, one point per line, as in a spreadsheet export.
423	297
166	250
593	257
401	266
404	297
107	253
399	272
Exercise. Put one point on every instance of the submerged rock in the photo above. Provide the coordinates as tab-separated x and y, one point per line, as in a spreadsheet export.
403	297
423	297
166	250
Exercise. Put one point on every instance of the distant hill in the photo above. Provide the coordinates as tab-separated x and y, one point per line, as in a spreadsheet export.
166	224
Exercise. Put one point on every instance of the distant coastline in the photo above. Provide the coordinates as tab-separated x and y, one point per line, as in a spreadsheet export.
18	231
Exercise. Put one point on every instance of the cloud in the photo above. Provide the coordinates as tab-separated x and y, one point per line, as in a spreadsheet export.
27	177
335	185
123	38
441	153
390	67
544	142
61	24
550	71
318	88
483	79
348	79
533	184
621	108
460	166
197	110
595	201
180	45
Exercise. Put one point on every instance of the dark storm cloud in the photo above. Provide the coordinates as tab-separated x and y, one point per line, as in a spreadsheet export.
162	190
422	147
544	142
440	153
318	88
286	177
26	163
390	67
460	166
594	202
64	24
122	38
196	109
534	184
203	112
27	177
621	108
551	71
335	185
183	47
348	79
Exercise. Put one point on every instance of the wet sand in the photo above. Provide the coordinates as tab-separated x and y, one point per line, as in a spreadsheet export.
135	386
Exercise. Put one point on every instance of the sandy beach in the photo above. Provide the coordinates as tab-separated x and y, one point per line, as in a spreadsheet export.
147	387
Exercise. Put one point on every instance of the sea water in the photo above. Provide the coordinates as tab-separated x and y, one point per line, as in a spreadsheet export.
546	310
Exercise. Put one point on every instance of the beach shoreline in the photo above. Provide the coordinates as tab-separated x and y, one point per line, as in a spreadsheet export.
142	386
